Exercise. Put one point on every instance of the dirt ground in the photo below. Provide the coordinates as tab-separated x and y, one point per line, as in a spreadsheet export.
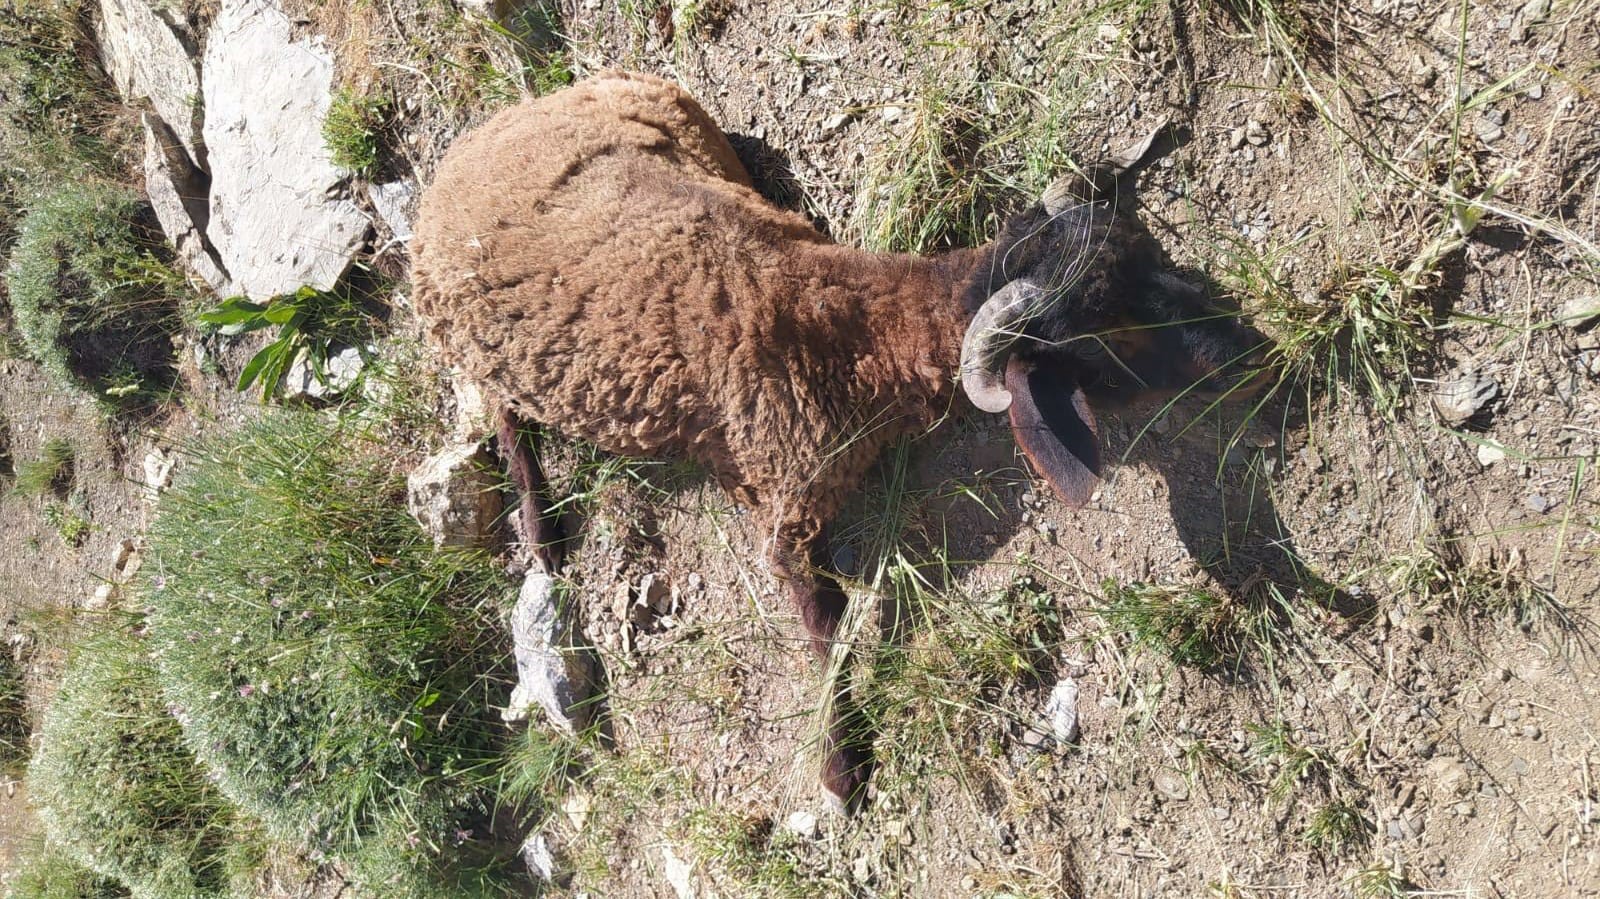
1447	692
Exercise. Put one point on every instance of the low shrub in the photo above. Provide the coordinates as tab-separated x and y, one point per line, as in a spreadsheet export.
91	301
330	665
52	472
115	785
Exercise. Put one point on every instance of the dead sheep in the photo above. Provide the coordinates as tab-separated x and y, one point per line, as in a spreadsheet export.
598	262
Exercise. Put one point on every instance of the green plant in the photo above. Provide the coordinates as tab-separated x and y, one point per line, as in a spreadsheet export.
13	713
338	674
758	856
52	472
114	784
1336	826
68	524
92	302
1189	625
351	128
310	323
1380	880
1274	746
46	871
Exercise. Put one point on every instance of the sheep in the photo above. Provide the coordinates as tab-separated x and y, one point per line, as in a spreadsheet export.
599	263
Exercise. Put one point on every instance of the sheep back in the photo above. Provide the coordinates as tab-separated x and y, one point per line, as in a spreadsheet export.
597	260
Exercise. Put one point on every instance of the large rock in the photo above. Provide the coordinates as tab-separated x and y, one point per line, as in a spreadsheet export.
177	191
279	217
455	495
554	669
150	57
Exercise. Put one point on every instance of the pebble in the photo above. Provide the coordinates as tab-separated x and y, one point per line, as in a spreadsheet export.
1539	503
1172	785
1463	396
834	122
1532	731
1579	313
1465	809
1256	133
803	824
1489	454
1519	766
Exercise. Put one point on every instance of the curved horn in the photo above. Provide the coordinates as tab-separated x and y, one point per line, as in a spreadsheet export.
988	343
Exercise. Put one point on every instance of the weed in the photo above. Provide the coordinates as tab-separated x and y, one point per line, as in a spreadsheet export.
1337	826
114	784
93	304
71	527
311	324
52	472
1190	625
336	672
1380	880
1275	747
351	129
1437	577
751	852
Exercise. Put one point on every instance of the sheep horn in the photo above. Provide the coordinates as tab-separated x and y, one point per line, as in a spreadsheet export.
988	343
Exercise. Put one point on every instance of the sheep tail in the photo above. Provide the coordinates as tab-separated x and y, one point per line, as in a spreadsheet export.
541	525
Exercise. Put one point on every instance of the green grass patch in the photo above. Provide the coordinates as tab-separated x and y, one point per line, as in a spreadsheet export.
48	872
71	527
1189	625
117	788
352	127
52	472
13	713
338	676
310	324
91	300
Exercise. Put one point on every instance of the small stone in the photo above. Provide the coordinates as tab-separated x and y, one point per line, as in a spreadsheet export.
1172	785
1539	503
1426	76
1450	775
1536	92
454	494
1519	766
677	872
891	113
1489	454
339	374
861	869
1061	711
577	808
655	595
802	824
390	201
536	854
1465	809
1236	138
1256	133
1463	396
158	465
1580	313
834	122
1489	132
1532	731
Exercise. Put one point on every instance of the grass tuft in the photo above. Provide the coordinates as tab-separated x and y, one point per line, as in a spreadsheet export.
13	714
336	674
48	872
1189	625
116	786
351	129
51	473
93	304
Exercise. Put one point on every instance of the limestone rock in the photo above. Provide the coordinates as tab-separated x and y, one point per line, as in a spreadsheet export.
1061	711
455	496
554	670
177	191
390	201
340	372
278	217
150	58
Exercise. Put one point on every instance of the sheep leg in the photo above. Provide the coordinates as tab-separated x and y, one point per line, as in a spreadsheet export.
846	742
541	527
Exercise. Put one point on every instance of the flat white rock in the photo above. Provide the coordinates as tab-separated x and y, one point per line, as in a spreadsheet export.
279	219
149	59
554	672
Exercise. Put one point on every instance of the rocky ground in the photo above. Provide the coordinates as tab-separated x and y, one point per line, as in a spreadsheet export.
1414	716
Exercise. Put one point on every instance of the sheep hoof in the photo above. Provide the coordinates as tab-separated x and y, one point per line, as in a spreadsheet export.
845	772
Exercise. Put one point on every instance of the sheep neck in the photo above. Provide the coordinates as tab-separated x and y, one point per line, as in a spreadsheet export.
899	316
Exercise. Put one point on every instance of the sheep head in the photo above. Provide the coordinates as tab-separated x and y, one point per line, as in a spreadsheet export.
1087	305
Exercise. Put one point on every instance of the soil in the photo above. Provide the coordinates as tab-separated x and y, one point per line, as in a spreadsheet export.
1463	733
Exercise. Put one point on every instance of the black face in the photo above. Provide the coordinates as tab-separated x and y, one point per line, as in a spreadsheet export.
1118	320
1117	325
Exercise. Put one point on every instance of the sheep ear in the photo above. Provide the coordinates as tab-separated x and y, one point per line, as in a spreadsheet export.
1055	427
